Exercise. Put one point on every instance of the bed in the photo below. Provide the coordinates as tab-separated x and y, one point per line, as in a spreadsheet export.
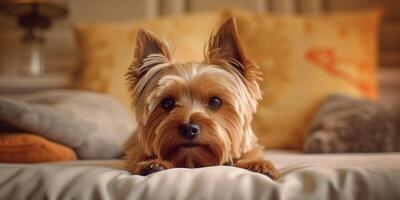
303	176
339	176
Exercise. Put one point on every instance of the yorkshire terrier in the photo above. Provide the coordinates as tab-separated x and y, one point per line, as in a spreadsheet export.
194	114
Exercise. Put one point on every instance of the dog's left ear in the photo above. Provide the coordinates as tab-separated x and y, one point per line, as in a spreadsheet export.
224	48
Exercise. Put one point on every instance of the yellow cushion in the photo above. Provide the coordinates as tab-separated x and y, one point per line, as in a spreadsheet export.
304	59
107	48
29	148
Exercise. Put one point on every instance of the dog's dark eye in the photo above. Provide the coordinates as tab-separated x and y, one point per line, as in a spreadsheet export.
215	103
168	103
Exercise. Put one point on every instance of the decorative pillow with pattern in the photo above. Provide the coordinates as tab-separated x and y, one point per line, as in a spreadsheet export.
304	59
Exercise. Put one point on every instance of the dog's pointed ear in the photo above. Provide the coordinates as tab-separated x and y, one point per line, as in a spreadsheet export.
225	46
150	51
148	44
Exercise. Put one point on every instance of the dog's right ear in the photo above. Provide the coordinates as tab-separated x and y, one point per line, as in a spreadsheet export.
150	51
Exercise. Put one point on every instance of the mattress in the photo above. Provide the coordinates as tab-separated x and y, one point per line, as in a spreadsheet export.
328	176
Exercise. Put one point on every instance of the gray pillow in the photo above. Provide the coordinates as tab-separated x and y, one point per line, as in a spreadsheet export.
344	124
94	125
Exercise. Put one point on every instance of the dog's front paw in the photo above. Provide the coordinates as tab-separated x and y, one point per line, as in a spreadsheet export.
147	167
260	166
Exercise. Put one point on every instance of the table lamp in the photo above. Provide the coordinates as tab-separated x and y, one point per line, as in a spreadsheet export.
34	16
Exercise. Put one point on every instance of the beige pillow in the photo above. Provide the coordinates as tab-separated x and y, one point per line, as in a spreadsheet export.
304	59
106	49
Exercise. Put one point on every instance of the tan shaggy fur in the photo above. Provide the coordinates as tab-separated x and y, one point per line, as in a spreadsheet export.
225	133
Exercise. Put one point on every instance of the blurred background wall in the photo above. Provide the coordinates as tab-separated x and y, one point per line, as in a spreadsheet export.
61	46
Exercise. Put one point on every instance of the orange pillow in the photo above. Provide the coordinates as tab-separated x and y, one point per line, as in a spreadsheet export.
106	49
305	58
29	148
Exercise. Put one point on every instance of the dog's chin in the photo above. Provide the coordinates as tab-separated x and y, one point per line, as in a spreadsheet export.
189	145
191	155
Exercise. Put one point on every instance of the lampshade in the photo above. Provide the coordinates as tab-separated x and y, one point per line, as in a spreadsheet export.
45	8
34	16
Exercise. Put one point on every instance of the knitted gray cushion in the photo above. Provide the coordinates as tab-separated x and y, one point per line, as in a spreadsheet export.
345	124
94	125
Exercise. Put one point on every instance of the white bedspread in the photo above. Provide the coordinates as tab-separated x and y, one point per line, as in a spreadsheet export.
339	176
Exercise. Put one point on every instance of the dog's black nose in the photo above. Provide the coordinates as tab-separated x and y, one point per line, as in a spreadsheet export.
189	130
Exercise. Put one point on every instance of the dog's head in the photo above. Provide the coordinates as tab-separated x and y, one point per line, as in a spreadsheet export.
194	114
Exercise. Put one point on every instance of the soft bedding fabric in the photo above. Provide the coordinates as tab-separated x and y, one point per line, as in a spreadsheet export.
345	124
339	176
94	125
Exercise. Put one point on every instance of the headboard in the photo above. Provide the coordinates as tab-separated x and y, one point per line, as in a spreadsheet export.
61	48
